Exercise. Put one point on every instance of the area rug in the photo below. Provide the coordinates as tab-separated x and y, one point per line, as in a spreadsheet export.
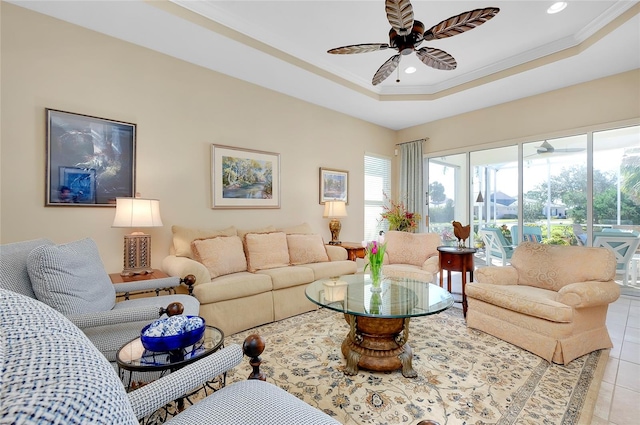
464	376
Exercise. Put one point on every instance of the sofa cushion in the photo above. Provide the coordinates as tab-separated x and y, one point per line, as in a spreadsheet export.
411	248
554	266
303	228
183	236
306	248
267	229
286	277
332	268
266	251
527	300
71	277
221	255
231	287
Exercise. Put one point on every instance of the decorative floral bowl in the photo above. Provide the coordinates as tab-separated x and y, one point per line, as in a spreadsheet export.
172	333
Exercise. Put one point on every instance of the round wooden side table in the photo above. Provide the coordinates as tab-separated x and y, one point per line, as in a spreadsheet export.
454	259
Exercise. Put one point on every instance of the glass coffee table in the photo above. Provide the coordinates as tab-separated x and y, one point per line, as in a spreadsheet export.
378	318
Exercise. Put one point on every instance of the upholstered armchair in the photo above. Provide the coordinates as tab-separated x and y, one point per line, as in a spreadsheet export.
552	300
411	255
71	278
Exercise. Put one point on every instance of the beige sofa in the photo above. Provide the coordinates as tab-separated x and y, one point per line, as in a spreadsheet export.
412	255
246	278
552	300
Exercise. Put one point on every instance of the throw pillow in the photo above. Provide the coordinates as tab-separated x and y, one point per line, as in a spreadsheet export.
183	236
221	256
71	277
305	249
266	251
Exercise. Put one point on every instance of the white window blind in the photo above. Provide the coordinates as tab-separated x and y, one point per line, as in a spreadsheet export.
377	183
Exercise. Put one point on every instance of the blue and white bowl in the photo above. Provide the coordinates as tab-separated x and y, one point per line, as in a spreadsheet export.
172	333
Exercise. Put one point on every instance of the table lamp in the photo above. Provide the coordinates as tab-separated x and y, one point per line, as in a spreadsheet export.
334	210
136	213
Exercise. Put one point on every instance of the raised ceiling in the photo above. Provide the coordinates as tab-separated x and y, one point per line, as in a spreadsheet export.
282	45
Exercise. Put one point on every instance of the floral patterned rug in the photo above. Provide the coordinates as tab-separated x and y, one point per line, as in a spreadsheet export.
464	376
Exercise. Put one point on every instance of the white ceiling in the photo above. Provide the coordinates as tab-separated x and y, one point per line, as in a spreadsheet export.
282	45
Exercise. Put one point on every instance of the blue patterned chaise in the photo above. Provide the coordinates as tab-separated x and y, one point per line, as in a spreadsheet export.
50	373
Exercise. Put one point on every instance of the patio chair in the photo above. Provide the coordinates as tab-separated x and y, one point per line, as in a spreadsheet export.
624	246
529	233
71	278
580	234
496	246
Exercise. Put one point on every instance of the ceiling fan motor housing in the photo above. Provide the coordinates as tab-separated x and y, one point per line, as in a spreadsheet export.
407	43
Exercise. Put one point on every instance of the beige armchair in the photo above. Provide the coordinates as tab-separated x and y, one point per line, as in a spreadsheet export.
552	300
411	255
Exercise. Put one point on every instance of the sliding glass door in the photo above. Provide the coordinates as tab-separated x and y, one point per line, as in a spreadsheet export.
616	163
494	190
446	195
554	176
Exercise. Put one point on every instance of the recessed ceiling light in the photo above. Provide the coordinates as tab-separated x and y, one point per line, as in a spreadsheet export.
557	7
410	70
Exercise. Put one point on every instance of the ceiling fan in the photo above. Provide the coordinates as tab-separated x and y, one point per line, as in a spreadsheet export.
407	34
546	147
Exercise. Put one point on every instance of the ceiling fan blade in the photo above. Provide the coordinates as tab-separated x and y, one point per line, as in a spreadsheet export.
386	69
400	15
570	150
436	58
463	22
358	48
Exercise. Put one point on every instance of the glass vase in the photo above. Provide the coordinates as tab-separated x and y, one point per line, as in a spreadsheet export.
376	276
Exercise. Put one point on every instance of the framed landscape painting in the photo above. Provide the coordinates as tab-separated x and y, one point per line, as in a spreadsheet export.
334	185
90	160
244	178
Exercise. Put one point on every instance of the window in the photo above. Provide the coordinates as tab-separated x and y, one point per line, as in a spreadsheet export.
377	183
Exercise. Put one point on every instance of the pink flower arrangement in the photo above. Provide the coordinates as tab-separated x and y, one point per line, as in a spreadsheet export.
399	218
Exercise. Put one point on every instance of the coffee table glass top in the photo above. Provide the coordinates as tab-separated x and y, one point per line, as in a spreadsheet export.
133	356
395	298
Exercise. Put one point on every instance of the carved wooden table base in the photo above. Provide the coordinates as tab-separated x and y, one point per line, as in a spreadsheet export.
378	344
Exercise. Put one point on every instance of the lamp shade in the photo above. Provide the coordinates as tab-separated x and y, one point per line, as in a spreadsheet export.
137	212
334	209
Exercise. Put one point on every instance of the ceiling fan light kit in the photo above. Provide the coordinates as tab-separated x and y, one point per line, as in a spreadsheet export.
407	34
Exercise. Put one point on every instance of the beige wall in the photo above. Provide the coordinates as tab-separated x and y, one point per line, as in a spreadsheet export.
180	110
598	103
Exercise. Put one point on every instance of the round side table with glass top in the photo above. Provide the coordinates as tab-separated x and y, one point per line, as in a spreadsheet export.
133	357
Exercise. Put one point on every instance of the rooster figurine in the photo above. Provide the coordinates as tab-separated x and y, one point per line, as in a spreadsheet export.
461	232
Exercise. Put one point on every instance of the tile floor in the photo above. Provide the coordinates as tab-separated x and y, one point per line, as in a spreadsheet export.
619	397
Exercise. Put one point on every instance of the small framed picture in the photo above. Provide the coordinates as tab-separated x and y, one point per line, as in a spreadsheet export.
334	185
90	160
